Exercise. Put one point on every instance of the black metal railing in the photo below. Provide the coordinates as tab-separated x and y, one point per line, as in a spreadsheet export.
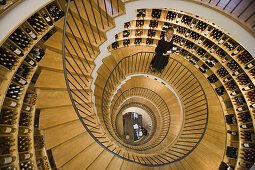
80	43
149	111
156	99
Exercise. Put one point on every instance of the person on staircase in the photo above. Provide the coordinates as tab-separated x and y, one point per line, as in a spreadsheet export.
163	50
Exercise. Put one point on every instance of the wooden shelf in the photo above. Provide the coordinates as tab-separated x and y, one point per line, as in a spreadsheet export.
163	20
7	75
6	83
8	6
229	142
132	43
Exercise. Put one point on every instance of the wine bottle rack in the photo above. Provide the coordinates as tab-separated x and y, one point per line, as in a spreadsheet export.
7	5
41	157
218	55
231	141
25	48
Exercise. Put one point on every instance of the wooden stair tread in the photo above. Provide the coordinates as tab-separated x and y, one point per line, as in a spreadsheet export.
61	133
58	115
53	80
115	163
78	144
101	161
53	60
55	98
84	158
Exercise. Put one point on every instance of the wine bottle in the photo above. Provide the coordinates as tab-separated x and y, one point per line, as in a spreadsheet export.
213	49
232	133
249	66
208	30
201	40
237	72
31	33
193	24
234	93
48	20
241	109
187	33
6	160
236	51
25	156
10	103
252	105
7	130
20	80
246	126
248	145
179	18
16	51
26	108
30	61
2	2
222	40
247	87
24	131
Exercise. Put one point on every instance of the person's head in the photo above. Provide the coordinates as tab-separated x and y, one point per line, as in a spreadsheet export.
169	33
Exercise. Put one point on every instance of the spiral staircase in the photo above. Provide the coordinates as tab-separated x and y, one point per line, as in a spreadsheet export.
82	126
187	122
189	134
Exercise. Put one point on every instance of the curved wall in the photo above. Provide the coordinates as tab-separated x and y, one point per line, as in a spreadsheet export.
17	15
243	36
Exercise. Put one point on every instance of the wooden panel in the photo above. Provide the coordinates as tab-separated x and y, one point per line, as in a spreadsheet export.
86	34
97	19
84	158
103	71
141	167
53	98
55	136
109	62
56	80
55	41
102	161
115	163
63	153
54	61
126	165
56	116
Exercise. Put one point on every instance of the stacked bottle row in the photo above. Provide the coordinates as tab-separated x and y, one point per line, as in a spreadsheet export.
243	116
193	28
42	160
24	37
134	41
226	63
138	33
216	72
209	58
19	57
6	5
204	39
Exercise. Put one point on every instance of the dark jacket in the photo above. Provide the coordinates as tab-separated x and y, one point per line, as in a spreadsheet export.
160	61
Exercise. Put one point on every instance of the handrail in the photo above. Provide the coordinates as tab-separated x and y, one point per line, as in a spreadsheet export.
148	110
156	99
139	63
78	49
